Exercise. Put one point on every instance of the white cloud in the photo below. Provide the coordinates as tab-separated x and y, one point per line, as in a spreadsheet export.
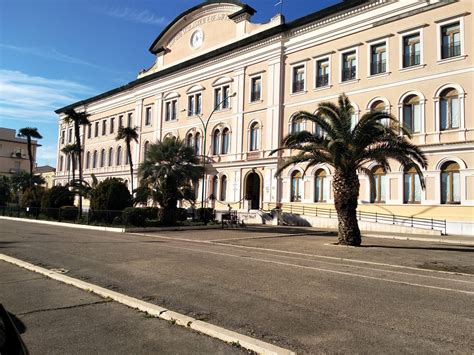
47	155
33	98
133	15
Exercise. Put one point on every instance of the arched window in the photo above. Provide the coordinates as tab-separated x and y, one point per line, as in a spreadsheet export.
215	182
297	125
190	140
379	106
111	156
94	159
146	147
377	192
450	183
61	163
223	188
412	114
197	143
320	188
118	161
449	109
102	158
216	142
225	141
254	136
88	160
296	186
411	186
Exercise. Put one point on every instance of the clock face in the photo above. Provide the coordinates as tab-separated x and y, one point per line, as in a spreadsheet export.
196	39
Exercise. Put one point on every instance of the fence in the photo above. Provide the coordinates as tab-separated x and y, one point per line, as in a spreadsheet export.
407	221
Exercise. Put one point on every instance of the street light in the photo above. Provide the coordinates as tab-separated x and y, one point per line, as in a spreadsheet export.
204	125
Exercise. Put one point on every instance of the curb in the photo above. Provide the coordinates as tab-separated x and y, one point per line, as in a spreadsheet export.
208	329
62	224
419	239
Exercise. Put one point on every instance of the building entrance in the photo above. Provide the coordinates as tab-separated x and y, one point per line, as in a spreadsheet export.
252	190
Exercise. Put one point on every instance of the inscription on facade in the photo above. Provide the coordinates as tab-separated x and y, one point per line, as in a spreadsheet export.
197	23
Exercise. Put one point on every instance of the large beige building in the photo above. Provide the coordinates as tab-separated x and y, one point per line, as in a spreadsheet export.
14	152
411	58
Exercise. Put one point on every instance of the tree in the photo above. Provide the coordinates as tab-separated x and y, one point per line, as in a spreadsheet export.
70	152
78	119
28	133
348	150
128	134
109	198
23	183
5	190
167	172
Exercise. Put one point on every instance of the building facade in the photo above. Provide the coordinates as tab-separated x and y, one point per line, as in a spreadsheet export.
410	58
14	152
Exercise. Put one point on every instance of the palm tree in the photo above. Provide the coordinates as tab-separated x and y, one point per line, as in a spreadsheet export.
348	150
128	134
167	172
78	119
28	133
70	152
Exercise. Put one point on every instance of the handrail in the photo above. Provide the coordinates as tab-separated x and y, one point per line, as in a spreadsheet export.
410	221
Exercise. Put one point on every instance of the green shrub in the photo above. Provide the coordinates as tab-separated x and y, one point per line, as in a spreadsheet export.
55	198
152	223
167	216
205	215
181	214
108	200
69	213
31	197
136	216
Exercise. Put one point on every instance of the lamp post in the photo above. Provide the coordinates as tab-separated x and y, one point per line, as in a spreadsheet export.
205	124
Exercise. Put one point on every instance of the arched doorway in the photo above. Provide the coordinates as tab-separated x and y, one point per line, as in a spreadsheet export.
252	190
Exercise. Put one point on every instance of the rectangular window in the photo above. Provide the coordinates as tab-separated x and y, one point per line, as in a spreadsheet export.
450	40
378	58
129	119
411	50
322	72
256	89
112	125
194	104
170	110
222	97
349	66
298	74
120	121
89	130
62	136
69	138
147	116
104	127
96	133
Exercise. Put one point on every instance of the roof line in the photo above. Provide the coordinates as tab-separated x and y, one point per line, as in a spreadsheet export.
346	4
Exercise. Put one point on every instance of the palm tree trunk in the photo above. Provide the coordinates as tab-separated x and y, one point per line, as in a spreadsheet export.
346	191
73	157
129	152
79	151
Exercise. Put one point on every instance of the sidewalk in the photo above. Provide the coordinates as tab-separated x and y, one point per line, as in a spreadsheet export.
61	319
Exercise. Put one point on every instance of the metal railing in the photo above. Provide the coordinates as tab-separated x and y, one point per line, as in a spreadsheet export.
322	80
451	50
378	67
349	73
375	217
411	59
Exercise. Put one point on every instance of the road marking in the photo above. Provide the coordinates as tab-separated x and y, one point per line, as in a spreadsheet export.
214	331
305	254
323	270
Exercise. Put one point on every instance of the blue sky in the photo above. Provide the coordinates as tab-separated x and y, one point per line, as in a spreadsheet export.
56	52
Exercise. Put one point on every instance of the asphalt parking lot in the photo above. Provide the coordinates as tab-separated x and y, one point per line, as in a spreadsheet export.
293	288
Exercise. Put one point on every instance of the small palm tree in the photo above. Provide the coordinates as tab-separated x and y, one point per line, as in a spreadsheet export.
167	172
28	133
78	119
348	150
128	134
70	152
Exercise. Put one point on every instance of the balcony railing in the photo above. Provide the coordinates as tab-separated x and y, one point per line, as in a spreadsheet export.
349	74
451	50
411	59
378	67
322	80
298	86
